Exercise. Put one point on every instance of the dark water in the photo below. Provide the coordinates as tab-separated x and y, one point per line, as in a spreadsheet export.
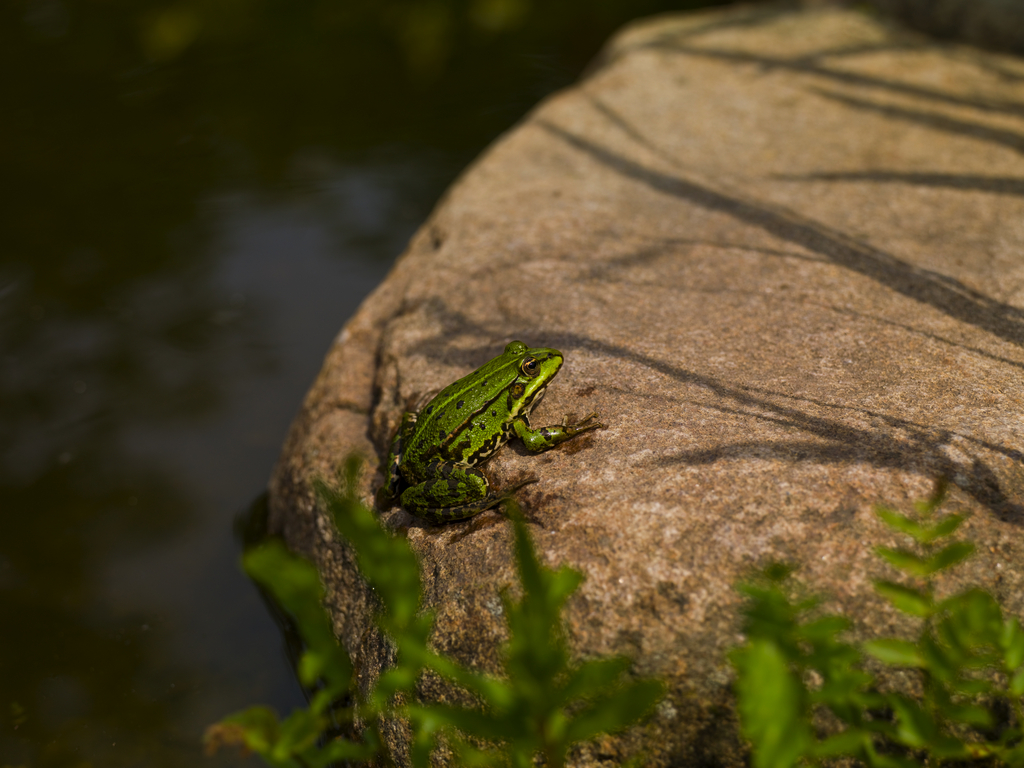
195	197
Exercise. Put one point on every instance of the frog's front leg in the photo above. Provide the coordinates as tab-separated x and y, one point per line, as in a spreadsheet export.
542	438
453	492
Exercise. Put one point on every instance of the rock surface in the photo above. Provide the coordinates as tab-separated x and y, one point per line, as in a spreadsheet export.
988	23
783	252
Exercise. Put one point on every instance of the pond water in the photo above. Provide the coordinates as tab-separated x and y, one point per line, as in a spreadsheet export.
197	195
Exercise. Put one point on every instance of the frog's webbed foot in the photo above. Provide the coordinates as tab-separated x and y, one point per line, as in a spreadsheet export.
586	423
543	438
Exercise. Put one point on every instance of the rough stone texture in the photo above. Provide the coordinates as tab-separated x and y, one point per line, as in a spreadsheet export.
988	23
782	252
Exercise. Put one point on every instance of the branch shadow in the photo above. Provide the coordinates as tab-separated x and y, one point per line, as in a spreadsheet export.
929	335
920	451
943	293
809	65
934	120
1002	185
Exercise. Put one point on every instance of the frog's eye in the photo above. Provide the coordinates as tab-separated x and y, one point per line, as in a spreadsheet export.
530	367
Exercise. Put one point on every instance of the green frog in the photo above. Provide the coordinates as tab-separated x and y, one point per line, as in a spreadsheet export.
432	464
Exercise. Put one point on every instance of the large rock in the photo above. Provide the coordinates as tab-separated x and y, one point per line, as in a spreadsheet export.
783	253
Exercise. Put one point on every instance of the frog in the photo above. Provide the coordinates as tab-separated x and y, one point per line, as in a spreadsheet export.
432	464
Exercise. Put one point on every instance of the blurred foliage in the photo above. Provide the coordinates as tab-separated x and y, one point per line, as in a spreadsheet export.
542	704
794	672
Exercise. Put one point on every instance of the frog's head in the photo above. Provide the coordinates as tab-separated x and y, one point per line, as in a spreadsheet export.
535	369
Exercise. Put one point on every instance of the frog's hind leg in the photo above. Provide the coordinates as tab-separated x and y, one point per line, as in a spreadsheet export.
392	477
431	499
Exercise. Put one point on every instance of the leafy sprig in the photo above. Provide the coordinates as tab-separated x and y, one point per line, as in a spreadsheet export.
541	704
968	655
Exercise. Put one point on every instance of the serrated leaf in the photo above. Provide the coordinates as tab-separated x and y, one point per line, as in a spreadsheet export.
472	722
337	750
941	660
945	527
949	556
915	727
1012	643
850	742
592	677
898	653
295	584
616	710
949	748
824	628
904	560
892	761
386	562
926	508
1017	683
772	706
973	623
899	522
906	599
777	572
256	727
971	714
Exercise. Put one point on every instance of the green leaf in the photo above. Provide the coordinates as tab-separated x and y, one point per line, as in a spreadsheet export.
904	560
907	599
916	728
778	572
256	728
337	750
942	660
772	705
926	508
1012	643
823	629
616	710
295	584
900	523
387	562
1017	683
593	677
972	624
971	714
472	722
949	556
945	527
849	743
898	653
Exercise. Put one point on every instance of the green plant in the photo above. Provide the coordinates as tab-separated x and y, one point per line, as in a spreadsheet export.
968	656
542	704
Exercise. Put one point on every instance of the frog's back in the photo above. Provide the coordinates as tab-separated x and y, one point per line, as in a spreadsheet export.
466	414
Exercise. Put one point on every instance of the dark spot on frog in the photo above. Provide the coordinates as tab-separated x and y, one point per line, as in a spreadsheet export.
585	391
460	404
429	409
442	435
494	413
